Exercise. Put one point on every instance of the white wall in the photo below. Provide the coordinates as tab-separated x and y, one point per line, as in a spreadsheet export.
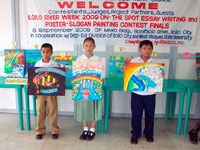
6	25
8	96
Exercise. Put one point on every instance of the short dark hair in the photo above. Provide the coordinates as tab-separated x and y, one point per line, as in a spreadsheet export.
47	45
89	39
146	42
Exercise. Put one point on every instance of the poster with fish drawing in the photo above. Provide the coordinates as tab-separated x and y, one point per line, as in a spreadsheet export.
147	77
198	66
31	57
87	80
46	81
117	65
14	62
65	62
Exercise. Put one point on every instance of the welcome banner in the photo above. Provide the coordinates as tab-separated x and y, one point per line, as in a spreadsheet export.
165	22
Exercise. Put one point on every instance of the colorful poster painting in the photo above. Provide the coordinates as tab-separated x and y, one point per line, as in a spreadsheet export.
198	66
65	62
147	77
31	57
14	62
87	80
46	81
117	65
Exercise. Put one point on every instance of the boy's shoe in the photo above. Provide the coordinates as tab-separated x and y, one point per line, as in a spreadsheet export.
54	136
134	140
39	136
193	136
83	135
149	139
90	135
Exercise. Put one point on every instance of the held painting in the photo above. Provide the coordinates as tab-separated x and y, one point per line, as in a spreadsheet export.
46	81
87	80
14	62
146	77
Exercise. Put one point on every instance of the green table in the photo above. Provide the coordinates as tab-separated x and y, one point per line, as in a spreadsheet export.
19	98
193	86
68	86
169	86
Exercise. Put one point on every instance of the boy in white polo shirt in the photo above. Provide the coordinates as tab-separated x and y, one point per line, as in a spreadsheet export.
143	100
43	100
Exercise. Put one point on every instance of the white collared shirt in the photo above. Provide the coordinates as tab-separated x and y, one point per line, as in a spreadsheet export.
93	58
139	59
51	63
85	58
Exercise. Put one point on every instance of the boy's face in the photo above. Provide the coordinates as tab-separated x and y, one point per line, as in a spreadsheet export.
146	50
46	53
89	47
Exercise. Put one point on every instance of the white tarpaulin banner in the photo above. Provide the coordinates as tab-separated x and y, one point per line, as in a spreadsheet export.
165	22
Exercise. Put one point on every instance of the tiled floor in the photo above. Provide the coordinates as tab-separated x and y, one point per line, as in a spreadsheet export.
118	137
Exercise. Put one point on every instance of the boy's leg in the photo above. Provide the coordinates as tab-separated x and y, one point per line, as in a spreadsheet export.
41	111
137	112
53	113
149	106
